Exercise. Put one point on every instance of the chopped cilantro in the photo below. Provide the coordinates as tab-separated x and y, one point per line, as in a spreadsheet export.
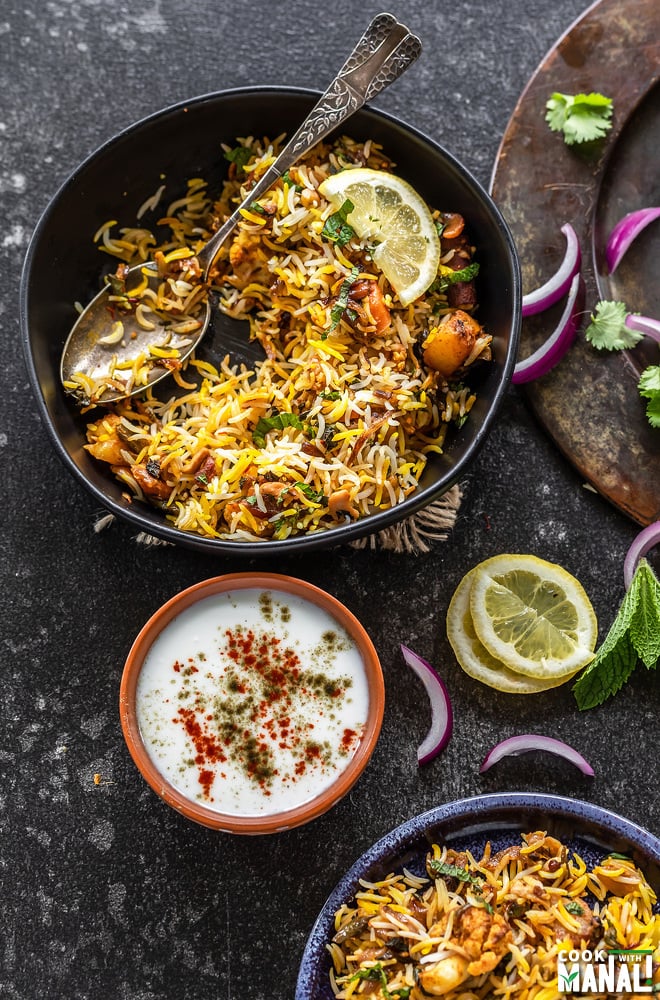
278	421
574	908
376	973
286	179
633	636
581	117
609	331
256	207
453	871
336	227
240	155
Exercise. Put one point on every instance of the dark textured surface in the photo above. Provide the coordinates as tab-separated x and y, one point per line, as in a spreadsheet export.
105	891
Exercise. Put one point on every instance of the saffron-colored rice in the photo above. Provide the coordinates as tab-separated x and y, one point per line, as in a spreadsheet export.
338	420
492	926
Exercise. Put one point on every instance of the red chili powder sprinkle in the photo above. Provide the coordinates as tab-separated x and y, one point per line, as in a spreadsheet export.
265	701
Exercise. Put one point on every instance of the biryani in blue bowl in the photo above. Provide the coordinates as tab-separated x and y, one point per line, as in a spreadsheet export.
365	321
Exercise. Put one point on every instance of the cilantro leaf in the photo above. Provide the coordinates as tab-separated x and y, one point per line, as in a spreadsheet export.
607	329
278	421
634	635
240	155
581	117
574	908
649	388
336	227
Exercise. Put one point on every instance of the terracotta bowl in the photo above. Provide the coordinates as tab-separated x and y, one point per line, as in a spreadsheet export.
213	816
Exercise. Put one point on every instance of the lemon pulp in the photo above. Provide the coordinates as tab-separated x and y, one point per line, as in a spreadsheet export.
521	624
389	212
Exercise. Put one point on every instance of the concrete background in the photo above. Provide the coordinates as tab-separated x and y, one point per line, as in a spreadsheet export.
105	891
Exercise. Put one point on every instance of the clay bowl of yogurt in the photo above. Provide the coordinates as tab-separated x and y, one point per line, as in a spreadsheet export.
252	702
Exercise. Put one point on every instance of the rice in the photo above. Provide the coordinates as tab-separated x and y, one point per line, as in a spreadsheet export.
490	927
338	420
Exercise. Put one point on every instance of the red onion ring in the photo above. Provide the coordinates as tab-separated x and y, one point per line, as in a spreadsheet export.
651	327
530	741
645	540
625	231
556	287
442	717
554	348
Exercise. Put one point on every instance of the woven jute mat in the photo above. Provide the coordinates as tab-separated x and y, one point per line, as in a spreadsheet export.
417	534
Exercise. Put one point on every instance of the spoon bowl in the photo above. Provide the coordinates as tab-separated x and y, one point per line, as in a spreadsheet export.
95	348
114	352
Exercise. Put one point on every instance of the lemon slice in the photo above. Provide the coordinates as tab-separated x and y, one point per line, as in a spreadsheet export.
473	656
389	212
532	616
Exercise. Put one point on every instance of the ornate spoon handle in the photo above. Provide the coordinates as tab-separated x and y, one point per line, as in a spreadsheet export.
382	54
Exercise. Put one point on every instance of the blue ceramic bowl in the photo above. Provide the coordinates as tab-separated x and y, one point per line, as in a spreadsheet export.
64	266
467	824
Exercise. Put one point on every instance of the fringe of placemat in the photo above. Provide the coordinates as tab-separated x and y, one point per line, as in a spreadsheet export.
418	532
414	536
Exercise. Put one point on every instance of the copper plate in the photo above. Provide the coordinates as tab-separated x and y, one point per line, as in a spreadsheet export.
590	404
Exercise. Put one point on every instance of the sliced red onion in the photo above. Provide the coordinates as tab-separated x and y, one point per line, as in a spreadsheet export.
442	717
651	327
645	540
556	287
625	231
529	741
554	348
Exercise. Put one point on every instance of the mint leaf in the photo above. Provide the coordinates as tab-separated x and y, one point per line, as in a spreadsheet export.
340	305
607	672
453	871
634	635
608	330
443	281
240	155
581	117
336	227
278	421
645	620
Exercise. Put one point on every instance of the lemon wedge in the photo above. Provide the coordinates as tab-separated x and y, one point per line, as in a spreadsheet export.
532	616
390	213
473	656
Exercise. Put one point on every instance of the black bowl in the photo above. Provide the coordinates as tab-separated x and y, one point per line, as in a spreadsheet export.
63	266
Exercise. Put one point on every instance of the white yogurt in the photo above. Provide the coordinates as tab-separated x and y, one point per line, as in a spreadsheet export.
252	702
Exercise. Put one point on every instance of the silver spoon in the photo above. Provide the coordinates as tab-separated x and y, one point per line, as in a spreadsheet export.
382	54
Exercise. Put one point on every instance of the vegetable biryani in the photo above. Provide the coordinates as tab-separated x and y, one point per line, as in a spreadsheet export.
355	390
497	926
